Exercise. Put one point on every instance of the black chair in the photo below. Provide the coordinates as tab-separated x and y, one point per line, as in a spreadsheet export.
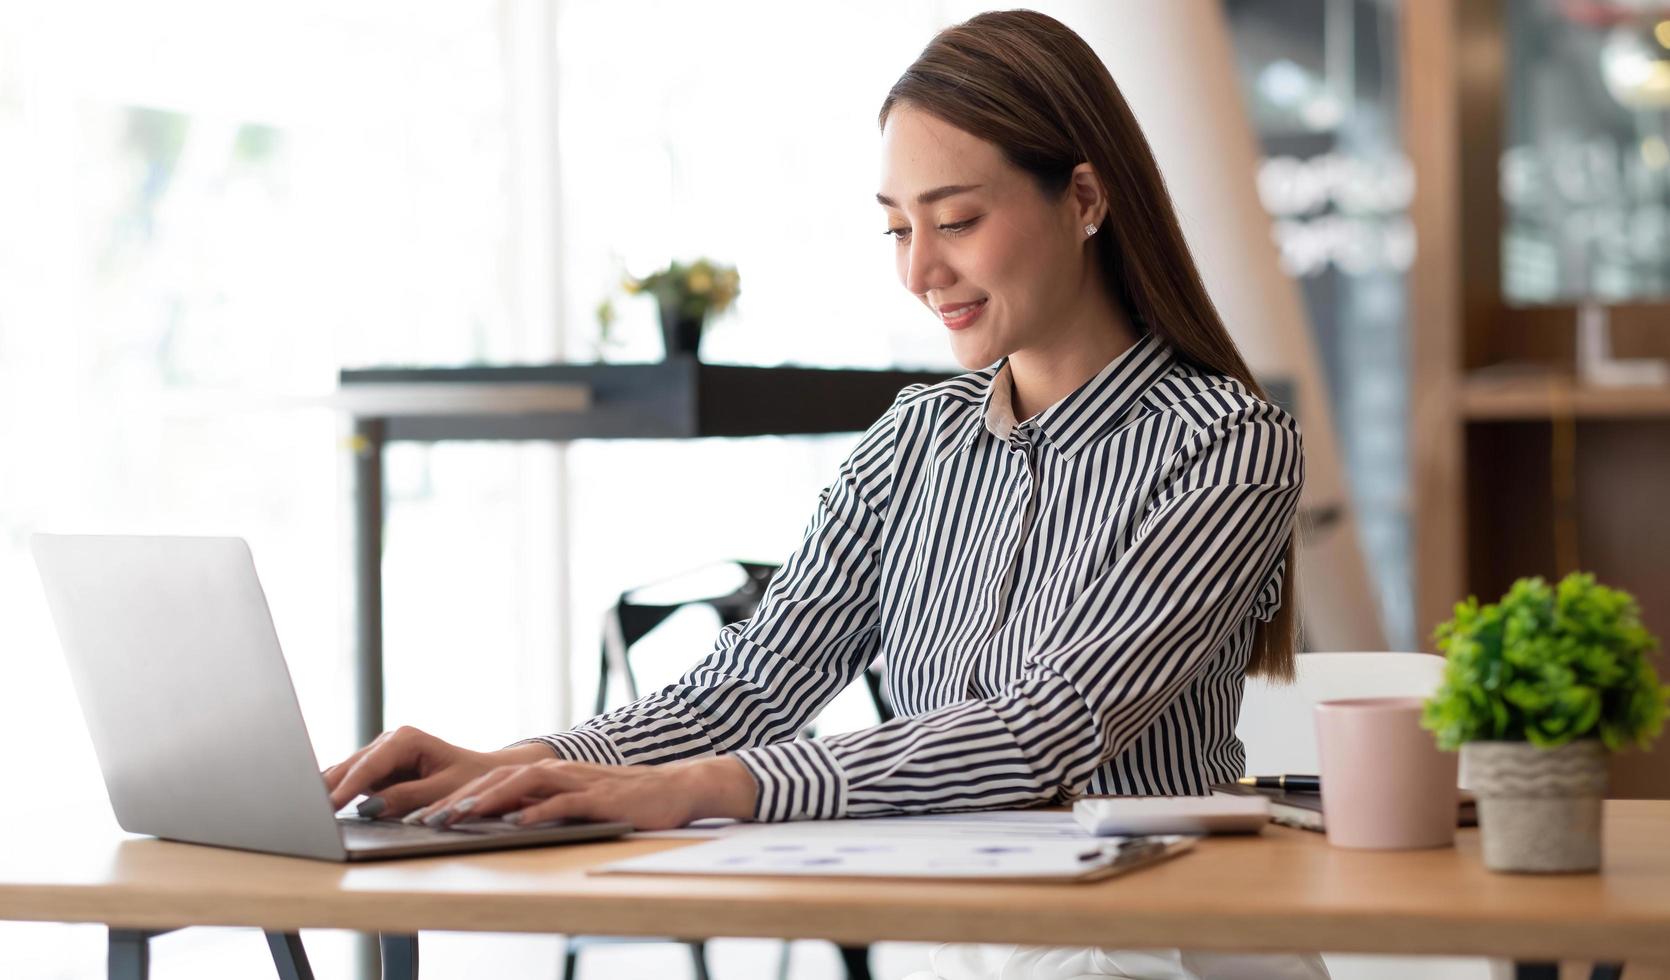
633	616
640	610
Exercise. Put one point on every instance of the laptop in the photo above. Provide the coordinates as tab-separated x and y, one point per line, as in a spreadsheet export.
193	715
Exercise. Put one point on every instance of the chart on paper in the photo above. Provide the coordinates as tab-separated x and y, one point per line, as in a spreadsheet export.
907	857
981	825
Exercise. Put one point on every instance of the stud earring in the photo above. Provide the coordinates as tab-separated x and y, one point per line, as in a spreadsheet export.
1090	229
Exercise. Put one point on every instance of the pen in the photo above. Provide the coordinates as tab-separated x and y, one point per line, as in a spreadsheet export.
1298	784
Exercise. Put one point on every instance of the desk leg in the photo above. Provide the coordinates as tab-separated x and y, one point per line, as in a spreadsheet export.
289	956
369	499
130	953
856	959
368	578
400	956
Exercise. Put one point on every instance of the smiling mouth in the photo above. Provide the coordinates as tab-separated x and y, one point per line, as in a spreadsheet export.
962	316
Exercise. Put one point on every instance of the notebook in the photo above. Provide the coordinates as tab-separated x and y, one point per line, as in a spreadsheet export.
1304	810
1220	813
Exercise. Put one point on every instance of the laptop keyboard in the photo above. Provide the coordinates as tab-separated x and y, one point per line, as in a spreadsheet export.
394	831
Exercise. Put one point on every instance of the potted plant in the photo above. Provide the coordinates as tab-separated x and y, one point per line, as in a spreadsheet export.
685	294
1537	689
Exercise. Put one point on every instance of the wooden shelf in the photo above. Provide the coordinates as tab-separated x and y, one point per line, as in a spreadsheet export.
1516	468
1531	397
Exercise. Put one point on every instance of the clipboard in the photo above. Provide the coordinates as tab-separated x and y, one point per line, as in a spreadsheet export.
911	859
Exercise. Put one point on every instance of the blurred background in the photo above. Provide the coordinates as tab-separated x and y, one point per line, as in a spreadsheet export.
208	210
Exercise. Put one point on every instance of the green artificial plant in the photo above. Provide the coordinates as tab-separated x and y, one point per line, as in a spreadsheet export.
1548	665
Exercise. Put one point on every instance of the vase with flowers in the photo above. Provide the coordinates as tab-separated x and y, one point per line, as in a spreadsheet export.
686	295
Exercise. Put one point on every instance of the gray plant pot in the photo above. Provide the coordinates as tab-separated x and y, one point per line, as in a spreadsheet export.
1539	809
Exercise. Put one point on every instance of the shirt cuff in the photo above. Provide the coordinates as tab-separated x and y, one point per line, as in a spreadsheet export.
580	745
799	780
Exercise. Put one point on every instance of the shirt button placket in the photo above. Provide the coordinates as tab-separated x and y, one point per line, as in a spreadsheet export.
1027	490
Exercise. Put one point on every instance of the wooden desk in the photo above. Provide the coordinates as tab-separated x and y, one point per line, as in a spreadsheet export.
1285	890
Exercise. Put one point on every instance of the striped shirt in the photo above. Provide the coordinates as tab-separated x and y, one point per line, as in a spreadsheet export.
1063	605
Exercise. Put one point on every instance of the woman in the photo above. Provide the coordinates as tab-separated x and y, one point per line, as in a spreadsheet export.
1069	557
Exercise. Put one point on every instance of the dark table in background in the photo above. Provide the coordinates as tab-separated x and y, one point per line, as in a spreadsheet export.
680	398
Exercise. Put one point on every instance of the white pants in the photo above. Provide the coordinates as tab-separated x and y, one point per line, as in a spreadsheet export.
964	961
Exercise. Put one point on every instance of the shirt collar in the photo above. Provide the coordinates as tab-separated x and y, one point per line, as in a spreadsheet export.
1086	414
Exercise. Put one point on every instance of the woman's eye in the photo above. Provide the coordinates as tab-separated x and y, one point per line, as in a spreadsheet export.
899	234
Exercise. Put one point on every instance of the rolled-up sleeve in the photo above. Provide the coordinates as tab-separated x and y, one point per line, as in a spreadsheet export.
1199	563
816	628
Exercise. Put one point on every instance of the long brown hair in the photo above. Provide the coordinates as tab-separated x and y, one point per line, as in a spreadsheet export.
1027	83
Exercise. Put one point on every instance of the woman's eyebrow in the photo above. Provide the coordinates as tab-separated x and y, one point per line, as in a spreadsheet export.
929	197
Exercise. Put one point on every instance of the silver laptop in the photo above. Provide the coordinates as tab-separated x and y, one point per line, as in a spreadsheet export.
193	714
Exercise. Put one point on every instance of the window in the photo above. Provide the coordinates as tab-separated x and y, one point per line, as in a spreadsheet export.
1585	175
208	212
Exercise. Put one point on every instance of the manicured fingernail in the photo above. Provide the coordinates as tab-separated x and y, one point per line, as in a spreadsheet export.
513	817
464	805
437	818
415	817
373	807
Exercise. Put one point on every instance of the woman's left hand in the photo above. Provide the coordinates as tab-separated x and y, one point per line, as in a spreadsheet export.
647	797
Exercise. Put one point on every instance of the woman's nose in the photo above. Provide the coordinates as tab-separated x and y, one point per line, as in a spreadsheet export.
925	268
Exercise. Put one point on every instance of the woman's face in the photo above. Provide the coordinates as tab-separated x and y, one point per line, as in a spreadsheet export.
999	243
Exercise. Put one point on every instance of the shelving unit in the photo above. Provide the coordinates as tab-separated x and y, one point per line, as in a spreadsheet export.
1516	469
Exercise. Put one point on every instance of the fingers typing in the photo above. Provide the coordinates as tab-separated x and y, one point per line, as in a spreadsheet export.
373	768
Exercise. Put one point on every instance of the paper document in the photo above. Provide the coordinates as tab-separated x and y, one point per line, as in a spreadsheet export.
984	825
907	857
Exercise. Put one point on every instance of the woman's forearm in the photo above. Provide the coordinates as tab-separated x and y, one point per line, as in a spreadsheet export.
713	786
521	755
718	786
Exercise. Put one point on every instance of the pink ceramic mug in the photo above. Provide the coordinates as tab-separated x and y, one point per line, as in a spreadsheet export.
1385	783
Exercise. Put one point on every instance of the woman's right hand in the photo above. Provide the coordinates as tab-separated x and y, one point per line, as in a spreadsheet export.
408	769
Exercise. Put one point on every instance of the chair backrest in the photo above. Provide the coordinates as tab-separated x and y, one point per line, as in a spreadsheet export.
1278	723
734	590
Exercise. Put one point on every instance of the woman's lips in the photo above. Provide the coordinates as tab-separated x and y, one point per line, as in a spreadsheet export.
965	316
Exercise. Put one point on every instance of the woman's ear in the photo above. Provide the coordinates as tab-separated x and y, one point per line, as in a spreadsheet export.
1089	198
